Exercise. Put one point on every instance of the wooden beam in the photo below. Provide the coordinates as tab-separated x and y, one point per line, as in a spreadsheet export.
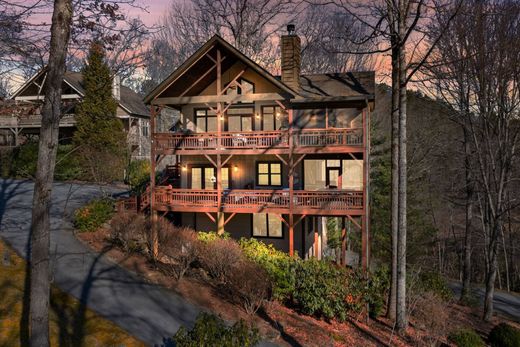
198	80
282	106
210	216
354	221
210	160
233	81
298	160
229	218
343	242
281	159
299	219
227	159
41	97
280	217
217	98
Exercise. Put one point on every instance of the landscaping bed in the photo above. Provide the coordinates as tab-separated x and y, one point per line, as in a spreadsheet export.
307	303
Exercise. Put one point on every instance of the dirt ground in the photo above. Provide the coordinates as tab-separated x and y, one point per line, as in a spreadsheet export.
280	324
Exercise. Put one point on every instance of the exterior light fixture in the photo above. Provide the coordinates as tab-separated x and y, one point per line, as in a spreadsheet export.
257	115
235	168
184	167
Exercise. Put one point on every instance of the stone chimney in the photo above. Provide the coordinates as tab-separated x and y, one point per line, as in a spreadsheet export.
116	87
291	58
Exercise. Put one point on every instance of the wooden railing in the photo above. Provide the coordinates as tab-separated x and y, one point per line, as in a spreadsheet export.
254	199
33	121
260	139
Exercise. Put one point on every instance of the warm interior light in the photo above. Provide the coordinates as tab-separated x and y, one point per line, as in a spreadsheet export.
235	168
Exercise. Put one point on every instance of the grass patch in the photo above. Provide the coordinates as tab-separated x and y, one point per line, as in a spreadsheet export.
71	324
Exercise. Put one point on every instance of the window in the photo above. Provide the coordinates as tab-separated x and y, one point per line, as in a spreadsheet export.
269	174
240	119
273	118
205	178
266	225
206	121
244	87
145	128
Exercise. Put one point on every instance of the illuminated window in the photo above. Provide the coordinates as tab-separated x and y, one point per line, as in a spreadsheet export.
269	173
267	225
274	118
205	178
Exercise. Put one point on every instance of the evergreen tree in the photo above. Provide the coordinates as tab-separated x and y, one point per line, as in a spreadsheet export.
100	135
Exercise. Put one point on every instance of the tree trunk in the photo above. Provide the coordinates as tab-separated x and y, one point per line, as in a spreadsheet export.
401	319
490	282
391	313
466	274
48	146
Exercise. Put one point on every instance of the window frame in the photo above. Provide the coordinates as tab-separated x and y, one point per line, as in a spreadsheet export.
263	114
268	236
206	116
203	176
269	163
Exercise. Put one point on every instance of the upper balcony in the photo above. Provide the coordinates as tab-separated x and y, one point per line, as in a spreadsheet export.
331	140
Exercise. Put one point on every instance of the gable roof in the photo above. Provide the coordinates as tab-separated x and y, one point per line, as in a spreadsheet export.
201	52
129	100
336	86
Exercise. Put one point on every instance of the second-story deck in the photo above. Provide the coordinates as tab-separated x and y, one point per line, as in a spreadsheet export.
327	202
332	140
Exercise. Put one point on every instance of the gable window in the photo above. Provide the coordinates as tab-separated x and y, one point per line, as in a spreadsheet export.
206	121
269	173
242	87
206	178
267	225
273	118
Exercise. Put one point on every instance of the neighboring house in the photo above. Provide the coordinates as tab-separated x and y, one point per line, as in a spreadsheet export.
20	115
265	156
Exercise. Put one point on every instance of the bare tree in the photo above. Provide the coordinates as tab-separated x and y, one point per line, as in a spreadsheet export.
48	144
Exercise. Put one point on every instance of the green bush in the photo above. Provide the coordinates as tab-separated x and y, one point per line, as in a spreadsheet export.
21	162
325	290
504	335
138	175
93	215
376	291
211	331
210	236
466	338
279	266
434	282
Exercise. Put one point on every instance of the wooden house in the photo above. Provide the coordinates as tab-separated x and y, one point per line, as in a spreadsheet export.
20	115
264	156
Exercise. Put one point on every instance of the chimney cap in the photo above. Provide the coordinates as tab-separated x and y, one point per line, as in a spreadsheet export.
291	28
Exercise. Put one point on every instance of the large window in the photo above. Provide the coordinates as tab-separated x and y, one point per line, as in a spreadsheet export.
267	225
342	174
205	178
240	119
269	173
273	118
244	87
206	121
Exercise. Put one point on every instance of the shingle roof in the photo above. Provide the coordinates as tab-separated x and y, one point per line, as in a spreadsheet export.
129	100
338	85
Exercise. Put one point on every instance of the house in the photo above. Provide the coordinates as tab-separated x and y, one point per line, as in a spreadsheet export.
264	156
20	115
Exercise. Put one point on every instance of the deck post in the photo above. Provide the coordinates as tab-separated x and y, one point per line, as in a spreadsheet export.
365	229
343	242
220	214
291	184
153	213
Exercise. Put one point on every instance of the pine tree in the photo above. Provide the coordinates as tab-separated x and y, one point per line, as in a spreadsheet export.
100	135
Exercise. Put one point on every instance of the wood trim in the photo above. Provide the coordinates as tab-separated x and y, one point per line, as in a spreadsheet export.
217	98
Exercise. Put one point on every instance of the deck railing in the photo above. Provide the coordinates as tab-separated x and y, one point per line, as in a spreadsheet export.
254	199
260	139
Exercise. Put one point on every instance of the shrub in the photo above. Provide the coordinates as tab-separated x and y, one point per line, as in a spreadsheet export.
279	266
138	175
249	284
324	290
431	314
220	258
128	231
504	335
466	338
178	250
376	292
93	215
432	281
210	236
210	330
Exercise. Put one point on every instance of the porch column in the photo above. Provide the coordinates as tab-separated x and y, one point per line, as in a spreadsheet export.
153	212
220	214
291	184
365	228
343	242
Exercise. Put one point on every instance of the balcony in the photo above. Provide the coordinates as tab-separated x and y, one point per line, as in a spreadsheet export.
33	121
328	202
262	142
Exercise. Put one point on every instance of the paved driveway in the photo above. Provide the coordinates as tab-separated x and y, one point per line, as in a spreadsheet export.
503	302
146	311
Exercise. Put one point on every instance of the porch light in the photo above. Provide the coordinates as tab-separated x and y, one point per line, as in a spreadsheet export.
235	168
184	167
257	115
